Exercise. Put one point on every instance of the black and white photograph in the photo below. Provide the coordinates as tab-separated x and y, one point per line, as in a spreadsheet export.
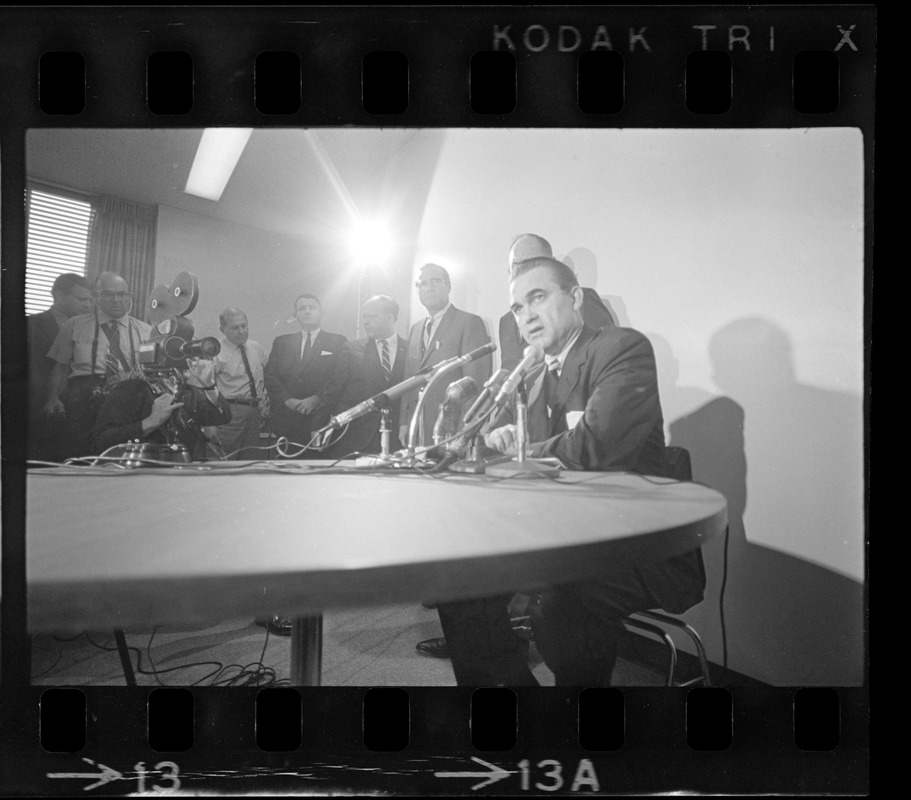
295	273
436	401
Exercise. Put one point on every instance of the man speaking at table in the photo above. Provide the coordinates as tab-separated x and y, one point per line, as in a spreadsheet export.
594	406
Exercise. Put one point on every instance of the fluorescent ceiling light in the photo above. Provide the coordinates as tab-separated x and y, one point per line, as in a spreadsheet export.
218	153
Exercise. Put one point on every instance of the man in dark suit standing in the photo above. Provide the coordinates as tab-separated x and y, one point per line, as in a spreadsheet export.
72	296
594	405
445	333
512	345
298	373
369	366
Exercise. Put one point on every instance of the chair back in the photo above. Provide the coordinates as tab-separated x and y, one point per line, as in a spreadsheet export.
681	466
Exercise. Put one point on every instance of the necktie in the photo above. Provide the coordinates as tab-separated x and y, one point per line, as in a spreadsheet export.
243	355
112	331
384	360
551	379
307	345
428	330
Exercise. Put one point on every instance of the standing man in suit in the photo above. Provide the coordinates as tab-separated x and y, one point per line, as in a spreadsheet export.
512	345
367	367
92	353
594	407
72	296
446	332
298	373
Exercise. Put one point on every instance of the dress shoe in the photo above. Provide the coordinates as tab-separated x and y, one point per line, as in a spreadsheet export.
433	647
437	647
277	626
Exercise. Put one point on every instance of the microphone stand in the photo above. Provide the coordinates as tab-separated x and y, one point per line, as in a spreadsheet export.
521	467
383	457
478	456
417	416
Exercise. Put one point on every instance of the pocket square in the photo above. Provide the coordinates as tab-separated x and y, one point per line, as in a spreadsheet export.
573	417
327	353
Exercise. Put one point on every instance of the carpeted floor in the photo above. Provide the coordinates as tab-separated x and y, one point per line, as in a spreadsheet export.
361	647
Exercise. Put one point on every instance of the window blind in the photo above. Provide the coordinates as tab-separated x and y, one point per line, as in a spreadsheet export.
57	242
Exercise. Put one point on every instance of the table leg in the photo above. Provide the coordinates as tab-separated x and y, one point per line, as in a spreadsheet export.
306	650
124	654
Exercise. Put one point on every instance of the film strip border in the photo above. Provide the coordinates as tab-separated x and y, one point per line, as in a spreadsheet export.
433	741
493	67
555	66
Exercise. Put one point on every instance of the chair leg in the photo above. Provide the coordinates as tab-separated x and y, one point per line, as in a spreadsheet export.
665	637
690	631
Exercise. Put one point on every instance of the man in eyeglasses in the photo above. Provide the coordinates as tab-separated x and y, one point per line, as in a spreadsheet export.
92	352
446	332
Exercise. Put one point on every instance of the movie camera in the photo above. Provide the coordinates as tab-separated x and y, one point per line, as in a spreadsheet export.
171	342
163	363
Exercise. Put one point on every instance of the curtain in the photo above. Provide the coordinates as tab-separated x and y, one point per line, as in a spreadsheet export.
122	240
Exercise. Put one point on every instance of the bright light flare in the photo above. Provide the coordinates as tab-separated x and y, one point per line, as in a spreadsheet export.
216	157
370	243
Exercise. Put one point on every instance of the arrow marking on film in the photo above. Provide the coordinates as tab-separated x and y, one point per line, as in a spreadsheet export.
107	774
493	775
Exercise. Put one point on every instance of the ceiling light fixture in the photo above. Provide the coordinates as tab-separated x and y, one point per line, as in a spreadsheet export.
216	157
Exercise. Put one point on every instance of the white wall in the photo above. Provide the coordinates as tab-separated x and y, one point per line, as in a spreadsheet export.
259	272
740	253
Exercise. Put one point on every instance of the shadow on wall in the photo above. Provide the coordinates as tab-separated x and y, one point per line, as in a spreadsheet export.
788	620
585	265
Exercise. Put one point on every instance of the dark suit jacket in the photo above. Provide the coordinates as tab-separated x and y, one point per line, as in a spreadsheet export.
609	377
121	414
286	375
359	376
42	330
457	333
594	314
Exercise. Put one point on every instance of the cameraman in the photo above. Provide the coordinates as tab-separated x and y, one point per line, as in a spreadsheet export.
131	411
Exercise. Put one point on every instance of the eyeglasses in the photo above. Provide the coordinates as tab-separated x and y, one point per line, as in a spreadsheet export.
428	283
113	295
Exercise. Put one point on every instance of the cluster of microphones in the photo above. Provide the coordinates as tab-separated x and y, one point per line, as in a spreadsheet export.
455	434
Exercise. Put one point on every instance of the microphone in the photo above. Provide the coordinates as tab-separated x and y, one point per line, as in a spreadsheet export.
534	355
375	403
382	399
491	387
474	355
450	409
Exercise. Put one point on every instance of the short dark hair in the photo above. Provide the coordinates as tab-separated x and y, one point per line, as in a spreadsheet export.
65	283
564	276
309	297
389	305
437	266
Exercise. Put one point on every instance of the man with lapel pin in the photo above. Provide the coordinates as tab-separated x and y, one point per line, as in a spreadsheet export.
593	405
366	367
298	373
446	332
